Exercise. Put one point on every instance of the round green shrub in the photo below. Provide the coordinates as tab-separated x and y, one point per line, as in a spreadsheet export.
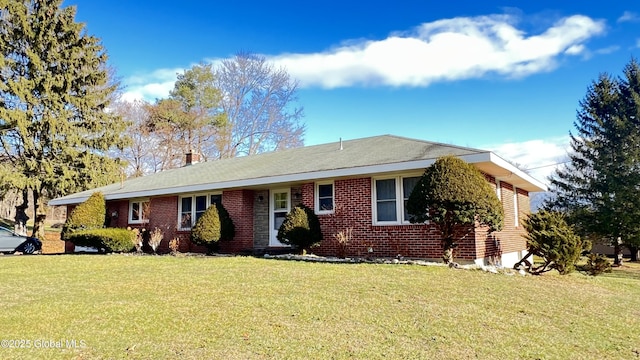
107	239
300	228
91	214
214	225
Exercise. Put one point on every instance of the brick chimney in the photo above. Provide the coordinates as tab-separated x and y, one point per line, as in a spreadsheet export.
192	158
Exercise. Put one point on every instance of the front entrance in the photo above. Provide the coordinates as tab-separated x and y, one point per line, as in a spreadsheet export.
279	206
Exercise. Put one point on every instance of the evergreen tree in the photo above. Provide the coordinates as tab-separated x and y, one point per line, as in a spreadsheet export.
189	119
551	239
89	215
598	188
214	225
455	196
55	88
301	229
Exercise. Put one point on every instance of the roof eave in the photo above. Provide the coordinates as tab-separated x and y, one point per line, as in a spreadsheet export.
485	161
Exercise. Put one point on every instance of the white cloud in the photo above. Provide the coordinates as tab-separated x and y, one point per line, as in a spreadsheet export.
444	50
155	85
575	49
628	16
539	157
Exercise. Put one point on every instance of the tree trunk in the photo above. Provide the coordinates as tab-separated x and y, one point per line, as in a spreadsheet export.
634	252
617	253
21	218
447	250
40	215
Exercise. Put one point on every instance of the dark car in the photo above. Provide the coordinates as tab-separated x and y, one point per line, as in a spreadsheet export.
10	242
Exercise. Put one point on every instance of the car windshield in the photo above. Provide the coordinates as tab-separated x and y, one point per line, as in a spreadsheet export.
5	231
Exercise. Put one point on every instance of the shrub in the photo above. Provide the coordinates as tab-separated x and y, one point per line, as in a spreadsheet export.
214	225
301	228
174	246
597	264
91	214
107	240
551	238
455	197
155	238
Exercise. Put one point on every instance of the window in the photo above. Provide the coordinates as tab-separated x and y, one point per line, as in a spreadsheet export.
138	211
388	209
324	198
408	184
192	207
386	200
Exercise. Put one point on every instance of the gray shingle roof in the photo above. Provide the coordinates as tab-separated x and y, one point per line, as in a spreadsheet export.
306	163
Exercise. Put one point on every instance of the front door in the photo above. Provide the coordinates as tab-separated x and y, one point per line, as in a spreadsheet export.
279	206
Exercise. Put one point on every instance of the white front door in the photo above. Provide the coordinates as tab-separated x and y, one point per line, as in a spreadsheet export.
279	206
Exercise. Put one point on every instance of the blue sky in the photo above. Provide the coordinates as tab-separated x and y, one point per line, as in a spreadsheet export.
505	76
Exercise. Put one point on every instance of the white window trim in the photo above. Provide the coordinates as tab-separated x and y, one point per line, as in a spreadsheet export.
399	200
193	207
498	190
140	202
317	197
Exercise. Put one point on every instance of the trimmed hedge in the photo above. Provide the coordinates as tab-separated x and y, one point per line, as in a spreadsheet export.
301	228
91	214
107	240
214	225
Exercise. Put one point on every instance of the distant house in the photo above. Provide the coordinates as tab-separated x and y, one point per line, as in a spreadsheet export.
361	184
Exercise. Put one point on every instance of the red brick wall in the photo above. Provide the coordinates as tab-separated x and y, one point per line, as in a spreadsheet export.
121	207
239	204
354	209
163	215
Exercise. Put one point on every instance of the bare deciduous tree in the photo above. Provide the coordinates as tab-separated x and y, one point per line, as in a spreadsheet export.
142	155
258	103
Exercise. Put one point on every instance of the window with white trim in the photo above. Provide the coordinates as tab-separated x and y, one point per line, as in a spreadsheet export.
138	211
390	196
191	208
324	198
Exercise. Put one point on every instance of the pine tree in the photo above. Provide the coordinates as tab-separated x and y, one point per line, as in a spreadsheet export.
598	188
55	88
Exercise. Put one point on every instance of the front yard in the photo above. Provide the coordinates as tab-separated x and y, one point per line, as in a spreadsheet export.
140	307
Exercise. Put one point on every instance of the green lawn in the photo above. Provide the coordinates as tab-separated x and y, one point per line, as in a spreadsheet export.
157	307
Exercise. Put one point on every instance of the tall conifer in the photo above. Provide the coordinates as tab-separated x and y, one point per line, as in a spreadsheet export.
600	186
55	88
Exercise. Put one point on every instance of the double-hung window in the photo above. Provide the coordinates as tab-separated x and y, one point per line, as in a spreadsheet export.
193	206
324	198
390	196
138	211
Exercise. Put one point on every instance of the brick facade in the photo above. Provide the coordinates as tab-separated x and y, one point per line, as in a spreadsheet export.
249	210
239	204
353	201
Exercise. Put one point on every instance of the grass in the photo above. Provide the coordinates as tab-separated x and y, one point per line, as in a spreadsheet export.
163	307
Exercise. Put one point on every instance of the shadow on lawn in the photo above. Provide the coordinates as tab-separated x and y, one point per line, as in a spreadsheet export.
628	270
